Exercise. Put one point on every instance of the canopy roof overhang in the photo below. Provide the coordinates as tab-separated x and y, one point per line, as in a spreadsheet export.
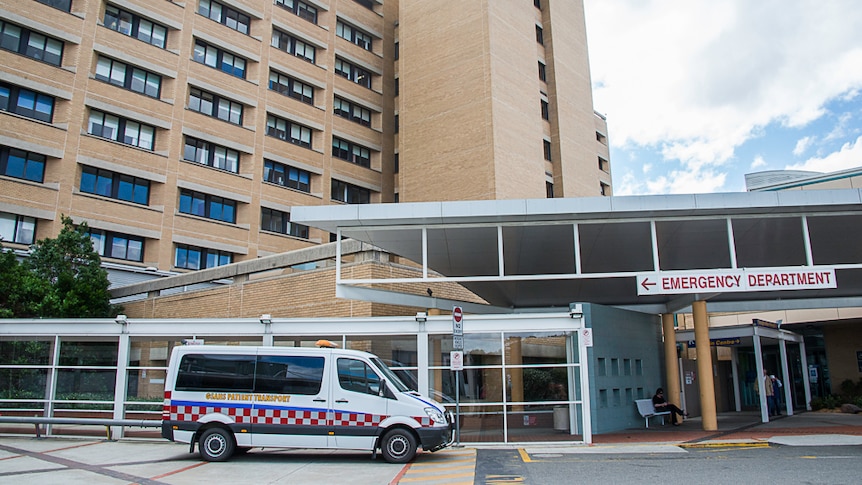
541	253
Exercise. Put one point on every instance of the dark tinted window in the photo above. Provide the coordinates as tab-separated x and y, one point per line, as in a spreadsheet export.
215	373
355	375
281	374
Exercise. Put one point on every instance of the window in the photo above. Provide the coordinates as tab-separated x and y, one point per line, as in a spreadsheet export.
604	188
349	71
30	44
546	146
22	164
369	4
193	257
546	115
219	59
397	164
288	131
349	193
209	206
354	35
213	372
397	50
64	5
118	129
397	121
300	8
128	77
215	106
286	176
17	229
289	86
540	35
210	154
224	15
289	374
351	152
549	190
117	246
292	45
397	87
357	376
278	221
542	74
537	3
25	102
115	185
135	26
601	138
604	165
352	112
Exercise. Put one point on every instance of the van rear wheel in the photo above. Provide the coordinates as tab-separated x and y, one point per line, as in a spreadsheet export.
398	446
216	444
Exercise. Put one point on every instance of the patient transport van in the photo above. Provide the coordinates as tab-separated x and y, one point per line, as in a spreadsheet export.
230	398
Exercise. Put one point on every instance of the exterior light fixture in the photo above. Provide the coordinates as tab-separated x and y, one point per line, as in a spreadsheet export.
266	319
121	319
421	317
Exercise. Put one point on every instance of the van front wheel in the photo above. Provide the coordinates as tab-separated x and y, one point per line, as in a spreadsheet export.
398	446
216	444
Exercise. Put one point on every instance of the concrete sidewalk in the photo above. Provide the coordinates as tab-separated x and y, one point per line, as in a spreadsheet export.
807	428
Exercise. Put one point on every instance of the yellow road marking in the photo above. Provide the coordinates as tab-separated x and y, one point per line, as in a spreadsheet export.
525	457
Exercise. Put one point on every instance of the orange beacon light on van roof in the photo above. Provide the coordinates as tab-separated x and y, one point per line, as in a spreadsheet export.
323	343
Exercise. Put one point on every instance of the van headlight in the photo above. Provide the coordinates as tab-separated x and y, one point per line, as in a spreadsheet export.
435	415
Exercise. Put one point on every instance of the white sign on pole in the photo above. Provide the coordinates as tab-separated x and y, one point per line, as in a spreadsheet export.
456	359
458	342
735	280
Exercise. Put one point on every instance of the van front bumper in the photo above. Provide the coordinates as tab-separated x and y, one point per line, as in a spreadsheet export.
433	439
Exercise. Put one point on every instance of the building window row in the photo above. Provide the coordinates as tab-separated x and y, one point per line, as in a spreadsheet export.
278	221
128	77
540	35
121	130
219	59
194	257
369	4
22	164
24	102
288	131
349	193
64	5
17	229
293	46
352	112
208	206
353	73
225	15
135	26
286	176
543	74
115	185
291	87
546	148
353	35
118	246
211	154
30	44
546	112
299	8
351	152
215	106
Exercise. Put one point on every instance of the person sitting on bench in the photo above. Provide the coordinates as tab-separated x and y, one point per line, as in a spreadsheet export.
660	404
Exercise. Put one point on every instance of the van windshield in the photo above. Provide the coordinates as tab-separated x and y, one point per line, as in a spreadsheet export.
390	376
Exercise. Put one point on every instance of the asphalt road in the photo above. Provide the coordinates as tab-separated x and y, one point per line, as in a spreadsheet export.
775	464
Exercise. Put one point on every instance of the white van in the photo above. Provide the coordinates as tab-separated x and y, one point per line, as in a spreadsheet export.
231	398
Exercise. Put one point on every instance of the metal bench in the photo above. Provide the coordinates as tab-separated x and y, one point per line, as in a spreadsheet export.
647	410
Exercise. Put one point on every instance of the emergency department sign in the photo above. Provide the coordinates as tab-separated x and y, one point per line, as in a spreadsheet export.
736	280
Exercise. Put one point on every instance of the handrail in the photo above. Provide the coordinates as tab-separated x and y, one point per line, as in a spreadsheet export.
107	423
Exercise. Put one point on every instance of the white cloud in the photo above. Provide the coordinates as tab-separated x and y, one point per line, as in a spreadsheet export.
849	156
802	145
698	78
758	162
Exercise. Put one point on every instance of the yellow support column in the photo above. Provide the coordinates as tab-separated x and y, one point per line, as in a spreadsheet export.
671	360
704	366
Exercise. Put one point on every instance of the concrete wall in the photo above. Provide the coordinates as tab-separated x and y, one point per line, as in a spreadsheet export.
631	343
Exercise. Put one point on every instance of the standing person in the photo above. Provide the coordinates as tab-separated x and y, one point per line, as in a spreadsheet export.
771	407
660	404
776	391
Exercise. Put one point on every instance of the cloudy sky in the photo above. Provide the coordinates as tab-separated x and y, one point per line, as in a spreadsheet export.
700	92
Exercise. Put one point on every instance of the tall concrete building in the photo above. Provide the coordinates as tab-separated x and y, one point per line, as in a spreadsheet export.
184	132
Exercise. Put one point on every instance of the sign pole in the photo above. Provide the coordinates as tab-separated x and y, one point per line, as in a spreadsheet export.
457	408
457	362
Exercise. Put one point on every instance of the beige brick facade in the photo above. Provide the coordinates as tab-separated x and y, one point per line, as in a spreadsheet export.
468	100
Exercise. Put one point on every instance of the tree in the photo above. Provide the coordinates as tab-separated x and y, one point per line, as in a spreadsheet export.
62	278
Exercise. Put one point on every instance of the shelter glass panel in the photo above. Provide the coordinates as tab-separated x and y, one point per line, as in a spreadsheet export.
526	252
482	424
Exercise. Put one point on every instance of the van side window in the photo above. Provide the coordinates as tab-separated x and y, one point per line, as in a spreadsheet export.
355	375
210	372
282	374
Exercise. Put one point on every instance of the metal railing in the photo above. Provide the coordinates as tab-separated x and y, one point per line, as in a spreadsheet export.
107	423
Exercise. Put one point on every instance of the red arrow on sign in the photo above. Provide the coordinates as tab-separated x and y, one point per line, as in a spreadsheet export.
646	284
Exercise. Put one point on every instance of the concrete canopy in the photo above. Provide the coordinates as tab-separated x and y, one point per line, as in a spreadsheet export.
521	254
